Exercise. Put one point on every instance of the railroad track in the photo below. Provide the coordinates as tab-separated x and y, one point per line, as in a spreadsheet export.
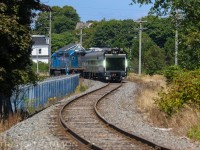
67	141
82	120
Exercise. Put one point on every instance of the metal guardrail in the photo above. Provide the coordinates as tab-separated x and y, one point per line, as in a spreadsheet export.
52	88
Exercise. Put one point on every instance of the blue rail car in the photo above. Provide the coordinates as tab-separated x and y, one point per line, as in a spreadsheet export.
67	60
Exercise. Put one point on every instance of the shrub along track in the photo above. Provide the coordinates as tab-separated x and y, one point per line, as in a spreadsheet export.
80	118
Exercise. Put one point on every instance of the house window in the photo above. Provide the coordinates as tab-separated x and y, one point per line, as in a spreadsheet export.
40	51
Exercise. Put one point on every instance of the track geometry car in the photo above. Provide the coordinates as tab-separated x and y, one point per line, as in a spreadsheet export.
106	64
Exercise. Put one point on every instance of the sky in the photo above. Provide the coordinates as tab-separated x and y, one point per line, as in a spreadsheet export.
103	9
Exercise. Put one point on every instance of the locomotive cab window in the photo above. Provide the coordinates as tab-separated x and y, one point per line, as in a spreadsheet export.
66	55
59	54
54	57
115	63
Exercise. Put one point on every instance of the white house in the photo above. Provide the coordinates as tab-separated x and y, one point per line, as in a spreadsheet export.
40	49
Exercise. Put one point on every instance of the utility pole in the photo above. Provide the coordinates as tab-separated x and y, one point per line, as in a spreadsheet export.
176	47
49	40
81	35
37	70
140	45
176	37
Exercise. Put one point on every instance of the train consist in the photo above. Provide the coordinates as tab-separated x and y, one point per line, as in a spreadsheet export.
102	63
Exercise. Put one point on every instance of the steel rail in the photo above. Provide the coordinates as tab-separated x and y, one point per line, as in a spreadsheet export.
74	134
132	136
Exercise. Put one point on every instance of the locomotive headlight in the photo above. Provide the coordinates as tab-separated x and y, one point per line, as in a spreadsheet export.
104	63
126	63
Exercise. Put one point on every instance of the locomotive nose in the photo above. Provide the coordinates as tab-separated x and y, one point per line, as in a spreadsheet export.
113	74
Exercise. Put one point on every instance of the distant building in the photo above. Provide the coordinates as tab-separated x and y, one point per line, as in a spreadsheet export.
80	25
40	48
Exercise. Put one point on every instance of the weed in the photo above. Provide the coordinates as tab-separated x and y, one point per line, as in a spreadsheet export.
29	105
194	132
81	88
148	89
52	100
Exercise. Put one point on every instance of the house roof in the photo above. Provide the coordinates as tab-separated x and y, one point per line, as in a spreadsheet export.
83	25
39	40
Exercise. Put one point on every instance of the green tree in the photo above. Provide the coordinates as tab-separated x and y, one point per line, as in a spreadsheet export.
188	27
189	53
63	19
169	51
89	35
15	48
62	39
113	33
159	29
189	8
153	58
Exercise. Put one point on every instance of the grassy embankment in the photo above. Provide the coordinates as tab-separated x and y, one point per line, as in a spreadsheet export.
171	102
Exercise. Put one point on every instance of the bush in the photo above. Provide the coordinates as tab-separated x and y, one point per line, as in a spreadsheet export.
184	90
42	67
171	72
81	88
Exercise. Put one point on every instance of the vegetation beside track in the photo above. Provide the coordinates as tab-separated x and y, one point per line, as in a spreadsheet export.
183	91
171	102
43	68
81	87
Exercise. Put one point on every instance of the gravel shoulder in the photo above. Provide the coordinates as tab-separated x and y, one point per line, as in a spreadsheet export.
34	133
120	110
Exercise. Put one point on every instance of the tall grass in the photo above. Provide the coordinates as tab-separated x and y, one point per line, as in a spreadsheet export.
42	67
148	88
185	123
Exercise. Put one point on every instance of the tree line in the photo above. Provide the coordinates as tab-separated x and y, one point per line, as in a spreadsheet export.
15	48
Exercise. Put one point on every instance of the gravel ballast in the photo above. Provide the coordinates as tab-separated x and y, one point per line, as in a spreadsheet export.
120	109
35	134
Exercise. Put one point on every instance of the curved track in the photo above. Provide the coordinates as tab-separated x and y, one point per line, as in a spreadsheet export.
80	120
132	136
